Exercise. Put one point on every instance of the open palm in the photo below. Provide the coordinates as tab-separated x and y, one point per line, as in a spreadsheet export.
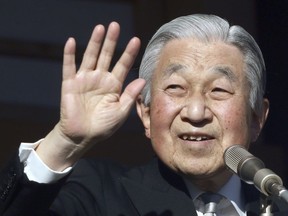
92	103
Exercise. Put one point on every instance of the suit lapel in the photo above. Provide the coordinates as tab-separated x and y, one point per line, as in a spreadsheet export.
252	199
156	191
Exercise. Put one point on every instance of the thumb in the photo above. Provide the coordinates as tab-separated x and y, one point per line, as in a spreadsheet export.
130	94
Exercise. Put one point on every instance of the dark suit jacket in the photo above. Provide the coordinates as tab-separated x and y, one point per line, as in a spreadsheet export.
103	188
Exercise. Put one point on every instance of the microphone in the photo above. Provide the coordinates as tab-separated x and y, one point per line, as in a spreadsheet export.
252	171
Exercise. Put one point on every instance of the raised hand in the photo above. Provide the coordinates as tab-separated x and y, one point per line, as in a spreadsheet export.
93	105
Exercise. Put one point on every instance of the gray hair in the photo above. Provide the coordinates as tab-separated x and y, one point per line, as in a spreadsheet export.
208	28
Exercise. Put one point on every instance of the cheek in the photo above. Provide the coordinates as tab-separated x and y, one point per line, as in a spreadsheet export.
162	115
236	124
162	112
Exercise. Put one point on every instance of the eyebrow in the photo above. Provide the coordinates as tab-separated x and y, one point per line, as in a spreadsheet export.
173	68
226	71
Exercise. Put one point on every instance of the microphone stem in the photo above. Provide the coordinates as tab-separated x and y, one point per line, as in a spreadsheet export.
284	195
280	191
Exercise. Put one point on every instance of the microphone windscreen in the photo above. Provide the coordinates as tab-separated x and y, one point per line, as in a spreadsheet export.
234	155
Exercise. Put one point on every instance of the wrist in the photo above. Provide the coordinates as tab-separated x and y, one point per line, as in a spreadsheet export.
58	152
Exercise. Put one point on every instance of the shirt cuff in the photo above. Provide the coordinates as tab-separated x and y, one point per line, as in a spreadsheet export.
35	169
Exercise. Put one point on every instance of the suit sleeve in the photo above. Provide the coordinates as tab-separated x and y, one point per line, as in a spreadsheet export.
19	196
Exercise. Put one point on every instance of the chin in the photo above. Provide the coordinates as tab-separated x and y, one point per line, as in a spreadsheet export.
201	169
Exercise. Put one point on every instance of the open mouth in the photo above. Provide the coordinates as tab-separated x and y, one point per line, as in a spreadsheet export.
195	138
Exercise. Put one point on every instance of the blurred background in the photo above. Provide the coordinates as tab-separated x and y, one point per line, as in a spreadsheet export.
32	36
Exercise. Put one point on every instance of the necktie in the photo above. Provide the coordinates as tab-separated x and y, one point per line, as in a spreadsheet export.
213	204
210	201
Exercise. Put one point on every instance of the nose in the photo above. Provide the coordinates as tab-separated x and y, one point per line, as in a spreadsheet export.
196	109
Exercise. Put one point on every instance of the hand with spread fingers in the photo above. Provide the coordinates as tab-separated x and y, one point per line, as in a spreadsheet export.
93	105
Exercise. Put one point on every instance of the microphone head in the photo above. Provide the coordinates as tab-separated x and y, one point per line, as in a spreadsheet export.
250	169
234	155
242	163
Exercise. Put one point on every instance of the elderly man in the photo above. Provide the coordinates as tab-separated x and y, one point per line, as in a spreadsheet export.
201	90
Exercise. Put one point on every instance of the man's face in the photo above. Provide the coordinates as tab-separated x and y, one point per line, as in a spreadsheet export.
199	106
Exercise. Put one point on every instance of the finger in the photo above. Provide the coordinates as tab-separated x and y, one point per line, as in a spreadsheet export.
69	67
131	93
127	59
93	49
109	46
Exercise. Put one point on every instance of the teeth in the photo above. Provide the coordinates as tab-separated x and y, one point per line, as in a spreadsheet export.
192	138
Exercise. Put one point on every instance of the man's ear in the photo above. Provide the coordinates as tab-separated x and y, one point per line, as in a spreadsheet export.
144	114
259	120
